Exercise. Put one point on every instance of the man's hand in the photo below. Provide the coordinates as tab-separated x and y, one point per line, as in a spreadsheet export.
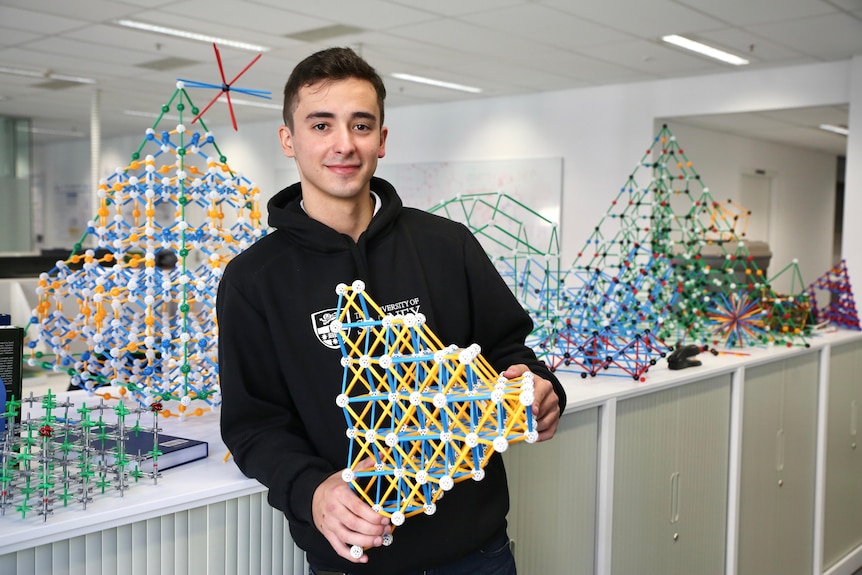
546	405
345	519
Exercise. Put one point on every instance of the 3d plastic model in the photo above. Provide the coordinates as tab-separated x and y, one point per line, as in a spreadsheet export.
428	416
610	322
736	320
696	247
54	459
137	310
523	245
226	88
666	263
841	307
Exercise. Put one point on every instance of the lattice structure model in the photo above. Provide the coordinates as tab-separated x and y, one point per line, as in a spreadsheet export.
610	322
226	88
523	244
841	308
715	290
137	310
787	316
428	416
736	320
55	459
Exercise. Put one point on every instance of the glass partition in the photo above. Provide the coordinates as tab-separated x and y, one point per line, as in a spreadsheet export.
16	224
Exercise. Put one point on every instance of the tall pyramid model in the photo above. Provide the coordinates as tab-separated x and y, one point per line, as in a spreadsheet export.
135	309
666	263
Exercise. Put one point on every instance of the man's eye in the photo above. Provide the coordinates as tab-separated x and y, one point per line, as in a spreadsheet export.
362	127
319	127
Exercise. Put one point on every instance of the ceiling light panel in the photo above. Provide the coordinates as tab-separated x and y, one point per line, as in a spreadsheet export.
842	130
169	63
437	83
252	103
190	35
46	75
324	33
704	50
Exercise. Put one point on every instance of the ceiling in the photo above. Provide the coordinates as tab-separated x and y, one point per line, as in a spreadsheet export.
505	47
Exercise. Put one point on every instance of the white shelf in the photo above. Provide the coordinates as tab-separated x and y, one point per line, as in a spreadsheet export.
185	487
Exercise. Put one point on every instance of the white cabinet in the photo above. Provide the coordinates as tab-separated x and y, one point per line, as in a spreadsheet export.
670	480
777	471
552	521
842	527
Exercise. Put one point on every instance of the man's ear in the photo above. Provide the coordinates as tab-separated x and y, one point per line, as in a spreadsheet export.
383	133
286	140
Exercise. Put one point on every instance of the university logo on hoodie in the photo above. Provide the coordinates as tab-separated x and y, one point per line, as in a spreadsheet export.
321	323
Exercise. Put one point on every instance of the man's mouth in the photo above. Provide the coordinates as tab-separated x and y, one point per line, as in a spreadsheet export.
343	168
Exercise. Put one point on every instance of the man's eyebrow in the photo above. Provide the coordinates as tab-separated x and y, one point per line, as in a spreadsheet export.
329	115
318	115
365	115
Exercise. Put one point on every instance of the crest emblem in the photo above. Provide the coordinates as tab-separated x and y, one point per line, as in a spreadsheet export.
321	323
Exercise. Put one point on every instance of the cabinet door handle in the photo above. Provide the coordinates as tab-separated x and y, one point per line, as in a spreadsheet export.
674	497
779	450
853	411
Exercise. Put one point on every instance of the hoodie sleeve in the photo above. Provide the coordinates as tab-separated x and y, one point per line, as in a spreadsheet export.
259	420
500	323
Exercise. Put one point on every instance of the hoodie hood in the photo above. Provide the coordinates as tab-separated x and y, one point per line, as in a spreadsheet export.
287	216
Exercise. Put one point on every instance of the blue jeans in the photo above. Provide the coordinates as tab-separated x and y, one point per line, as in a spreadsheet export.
494	558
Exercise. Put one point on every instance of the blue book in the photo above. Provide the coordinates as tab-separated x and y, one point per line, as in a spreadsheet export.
139	447
174	450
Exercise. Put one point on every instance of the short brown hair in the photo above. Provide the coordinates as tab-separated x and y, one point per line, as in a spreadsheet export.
327	66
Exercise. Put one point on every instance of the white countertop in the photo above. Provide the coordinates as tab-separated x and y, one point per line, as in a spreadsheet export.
588	392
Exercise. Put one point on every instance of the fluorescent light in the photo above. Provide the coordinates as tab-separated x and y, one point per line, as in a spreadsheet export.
190	35
22	72
251	103
705	50
152	115
53	132
835	129
438	83
67	78
45	75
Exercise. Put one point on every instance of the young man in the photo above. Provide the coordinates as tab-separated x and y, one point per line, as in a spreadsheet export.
280	368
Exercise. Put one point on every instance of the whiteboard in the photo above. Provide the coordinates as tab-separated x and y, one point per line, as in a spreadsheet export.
534	185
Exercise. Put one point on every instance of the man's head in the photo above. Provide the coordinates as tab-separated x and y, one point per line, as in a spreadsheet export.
327	66
334	132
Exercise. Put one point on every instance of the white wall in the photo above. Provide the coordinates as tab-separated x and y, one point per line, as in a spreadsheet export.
852	233
601	133
803	194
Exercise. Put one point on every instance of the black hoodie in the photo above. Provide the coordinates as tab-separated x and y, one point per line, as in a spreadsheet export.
280	372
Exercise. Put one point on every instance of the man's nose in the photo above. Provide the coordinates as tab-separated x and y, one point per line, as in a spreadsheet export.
343	140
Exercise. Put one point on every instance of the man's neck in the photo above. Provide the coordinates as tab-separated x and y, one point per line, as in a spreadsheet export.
349	216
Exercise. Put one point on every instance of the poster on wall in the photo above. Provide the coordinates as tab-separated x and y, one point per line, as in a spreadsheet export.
73	211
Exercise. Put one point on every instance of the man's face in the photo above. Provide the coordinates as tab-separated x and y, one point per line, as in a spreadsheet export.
336	139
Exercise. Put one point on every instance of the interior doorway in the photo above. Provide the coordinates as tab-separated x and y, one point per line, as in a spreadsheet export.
755	195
